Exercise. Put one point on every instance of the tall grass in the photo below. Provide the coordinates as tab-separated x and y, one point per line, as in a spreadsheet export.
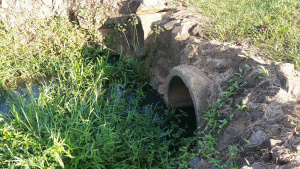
272	25
87	115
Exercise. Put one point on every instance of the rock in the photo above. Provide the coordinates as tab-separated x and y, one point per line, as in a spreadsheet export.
184	29
256	115
266	145
269	123
256	165
289	77
197	31
255	140
170	25
177	30
276	142
195	162
258	137
267	157
150	2
183	13
154	6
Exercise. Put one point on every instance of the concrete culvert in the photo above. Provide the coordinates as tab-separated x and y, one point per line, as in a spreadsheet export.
178	94
187	86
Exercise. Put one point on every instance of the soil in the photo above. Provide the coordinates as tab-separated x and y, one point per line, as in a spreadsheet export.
273	98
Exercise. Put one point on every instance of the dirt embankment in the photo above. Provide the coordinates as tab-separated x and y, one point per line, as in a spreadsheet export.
272	92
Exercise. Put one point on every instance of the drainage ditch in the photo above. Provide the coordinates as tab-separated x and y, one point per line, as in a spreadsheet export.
179	99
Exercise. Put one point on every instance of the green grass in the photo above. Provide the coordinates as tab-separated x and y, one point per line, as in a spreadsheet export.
272	25
84	117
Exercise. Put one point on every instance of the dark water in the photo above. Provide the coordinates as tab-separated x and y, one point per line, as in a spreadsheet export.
187	121
22	91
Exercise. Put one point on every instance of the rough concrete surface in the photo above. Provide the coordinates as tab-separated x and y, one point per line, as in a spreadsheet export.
187	86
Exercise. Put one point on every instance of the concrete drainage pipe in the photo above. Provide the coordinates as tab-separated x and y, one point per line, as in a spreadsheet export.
187	86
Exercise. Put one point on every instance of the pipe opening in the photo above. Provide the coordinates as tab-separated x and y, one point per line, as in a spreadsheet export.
179	98
179	94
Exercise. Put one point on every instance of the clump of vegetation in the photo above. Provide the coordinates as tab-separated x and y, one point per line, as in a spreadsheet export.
87	115
205	144
271	25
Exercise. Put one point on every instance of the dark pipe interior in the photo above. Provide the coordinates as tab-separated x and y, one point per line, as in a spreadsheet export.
178	94
187	121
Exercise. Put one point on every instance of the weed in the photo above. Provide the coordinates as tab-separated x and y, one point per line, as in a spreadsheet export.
271	25
88	114
213	122
134	21
264	71
242	107
234	154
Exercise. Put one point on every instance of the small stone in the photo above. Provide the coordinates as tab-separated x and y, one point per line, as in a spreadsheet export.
269	123
256	139
197	31
213	167
194	162
298	147
182	13
267	157
157	82
191	17
266	145
276	142
150	2
256	115
169	25
177	30
184	29
256	165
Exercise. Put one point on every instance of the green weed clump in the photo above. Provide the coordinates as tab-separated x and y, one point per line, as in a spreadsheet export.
87	115
272	25
205	144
